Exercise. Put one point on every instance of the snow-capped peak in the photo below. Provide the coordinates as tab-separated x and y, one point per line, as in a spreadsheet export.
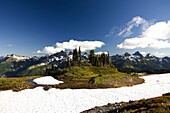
17	57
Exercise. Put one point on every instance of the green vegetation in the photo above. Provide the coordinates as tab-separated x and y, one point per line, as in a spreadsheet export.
92	71
95	72
16	84
107	76
39	70
154	105
21	68
5	67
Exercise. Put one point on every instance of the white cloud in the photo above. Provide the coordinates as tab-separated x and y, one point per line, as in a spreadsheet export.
133	43
143	53
158	54
50	50
135	22
72	44
85	45
155	36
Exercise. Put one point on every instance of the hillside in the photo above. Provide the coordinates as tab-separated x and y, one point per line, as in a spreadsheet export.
94	77
17	84
18	66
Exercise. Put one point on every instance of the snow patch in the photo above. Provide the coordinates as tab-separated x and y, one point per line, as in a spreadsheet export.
38	65
47	80
17	57
74	101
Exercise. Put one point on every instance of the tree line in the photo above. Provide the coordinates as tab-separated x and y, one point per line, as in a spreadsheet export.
99	60
93	59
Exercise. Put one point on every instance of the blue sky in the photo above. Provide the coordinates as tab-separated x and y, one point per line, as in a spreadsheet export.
28	26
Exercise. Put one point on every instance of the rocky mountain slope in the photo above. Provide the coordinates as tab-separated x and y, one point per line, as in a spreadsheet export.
15	65
138	63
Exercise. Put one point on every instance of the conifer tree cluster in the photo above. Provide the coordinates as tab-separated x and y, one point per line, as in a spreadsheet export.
99	60
94	60
77	58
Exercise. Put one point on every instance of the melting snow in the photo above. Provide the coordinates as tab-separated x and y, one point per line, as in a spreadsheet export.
47	80
73	101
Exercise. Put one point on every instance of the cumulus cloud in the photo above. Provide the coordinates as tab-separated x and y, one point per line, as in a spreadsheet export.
135	22
50	50
85	45
155	36
72	44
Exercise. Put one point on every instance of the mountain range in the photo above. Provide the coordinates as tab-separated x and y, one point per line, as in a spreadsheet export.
17	66
138	63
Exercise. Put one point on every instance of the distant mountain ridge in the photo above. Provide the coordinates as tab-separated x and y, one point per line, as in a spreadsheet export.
16	66
138	63
14	57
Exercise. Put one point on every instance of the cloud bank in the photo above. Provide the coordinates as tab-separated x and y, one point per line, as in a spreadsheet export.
70	45
155	36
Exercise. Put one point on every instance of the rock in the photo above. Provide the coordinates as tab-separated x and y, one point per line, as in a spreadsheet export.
46	88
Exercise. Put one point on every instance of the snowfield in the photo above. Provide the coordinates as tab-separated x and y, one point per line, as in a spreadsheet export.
73	101
47	80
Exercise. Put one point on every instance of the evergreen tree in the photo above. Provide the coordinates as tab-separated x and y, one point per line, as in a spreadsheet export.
100	60
97	60
108	58
75	55
79	54
52	67
103	58
68	62
91	57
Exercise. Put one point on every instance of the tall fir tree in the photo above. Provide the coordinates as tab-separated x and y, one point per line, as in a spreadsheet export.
68	62
91	57
79	55
103	57
75	55
108	58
